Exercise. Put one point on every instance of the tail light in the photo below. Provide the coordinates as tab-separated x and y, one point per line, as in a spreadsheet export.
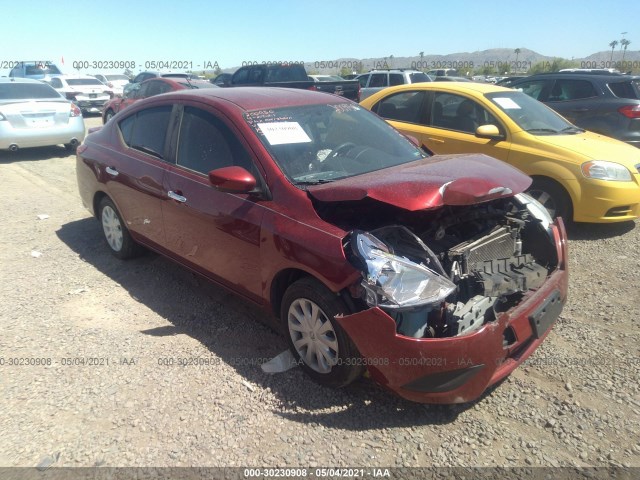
630	111
75	111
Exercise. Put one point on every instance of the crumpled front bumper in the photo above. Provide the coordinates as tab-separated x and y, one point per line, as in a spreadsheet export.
459	369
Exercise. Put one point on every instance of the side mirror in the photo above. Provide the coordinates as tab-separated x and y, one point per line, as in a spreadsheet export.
413	140
232	180
489	131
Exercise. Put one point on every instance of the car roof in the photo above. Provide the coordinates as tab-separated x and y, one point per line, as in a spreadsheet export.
75	76
589	75
18	80
255	98
454	86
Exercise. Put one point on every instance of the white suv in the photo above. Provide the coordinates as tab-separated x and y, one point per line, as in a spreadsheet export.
87	92
376	80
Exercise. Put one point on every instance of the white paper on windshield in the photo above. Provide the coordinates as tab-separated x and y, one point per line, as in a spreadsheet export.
279	133
506	103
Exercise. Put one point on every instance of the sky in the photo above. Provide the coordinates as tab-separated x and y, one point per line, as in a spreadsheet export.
200	33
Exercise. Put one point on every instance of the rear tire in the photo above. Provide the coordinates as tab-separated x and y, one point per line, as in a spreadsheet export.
115	232
321	347
553	197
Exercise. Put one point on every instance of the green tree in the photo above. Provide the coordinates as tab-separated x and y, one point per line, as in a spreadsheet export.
613	46
625	43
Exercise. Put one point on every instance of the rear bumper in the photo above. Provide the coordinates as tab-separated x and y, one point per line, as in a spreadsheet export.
42	136
457	369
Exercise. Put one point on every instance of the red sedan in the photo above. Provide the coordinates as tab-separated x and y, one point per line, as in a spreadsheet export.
155	86
435	274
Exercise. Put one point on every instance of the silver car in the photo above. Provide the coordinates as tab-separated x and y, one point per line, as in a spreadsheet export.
33	114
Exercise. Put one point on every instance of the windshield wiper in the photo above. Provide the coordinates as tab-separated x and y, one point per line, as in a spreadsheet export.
573	129
314	182
542	130
147	150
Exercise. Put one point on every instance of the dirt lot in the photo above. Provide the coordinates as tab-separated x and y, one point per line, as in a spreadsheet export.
92	336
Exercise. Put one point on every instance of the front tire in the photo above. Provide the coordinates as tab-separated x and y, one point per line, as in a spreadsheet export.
115	232
321	347
553	197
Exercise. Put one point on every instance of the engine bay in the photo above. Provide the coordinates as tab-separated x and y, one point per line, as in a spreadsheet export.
447	272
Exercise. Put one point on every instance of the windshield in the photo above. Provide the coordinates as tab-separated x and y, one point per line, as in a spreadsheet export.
117	77
27	91
531	115
84	81
319	143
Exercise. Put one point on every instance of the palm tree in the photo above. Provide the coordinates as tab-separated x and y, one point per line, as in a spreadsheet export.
421	57
517	52
625	43
613	46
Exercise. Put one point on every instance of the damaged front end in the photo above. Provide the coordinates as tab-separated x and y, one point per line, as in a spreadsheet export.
454	299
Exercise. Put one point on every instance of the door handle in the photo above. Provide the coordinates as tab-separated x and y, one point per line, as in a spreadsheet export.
579	110
111	171
436	140
177	197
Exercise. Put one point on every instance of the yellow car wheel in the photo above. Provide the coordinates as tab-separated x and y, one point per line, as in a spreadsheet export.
553	197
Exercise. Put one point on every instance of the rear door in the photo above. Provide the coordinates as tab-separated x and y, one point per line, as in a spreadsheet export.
577	100
135	173
215	233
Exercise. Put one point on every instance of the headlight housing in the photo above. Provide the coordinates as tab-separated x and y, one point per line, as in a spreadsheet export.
396	282
603	170
535	208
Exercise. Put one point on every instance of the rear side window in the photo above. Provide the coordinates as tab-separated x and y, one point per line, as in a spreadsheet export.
147	130
571	90
396	79
20	91
404	107
628	89
378	80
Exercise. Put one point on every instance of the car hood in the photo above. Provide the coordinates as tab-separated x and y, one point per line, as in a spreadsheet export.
594	146
430	183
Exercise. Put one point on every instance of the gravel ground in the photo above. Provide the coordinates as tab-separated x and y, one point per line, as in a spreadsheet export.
576	401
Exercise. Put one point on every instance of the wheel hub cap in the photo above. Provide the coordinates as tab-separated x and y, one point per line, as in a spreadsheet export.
313	336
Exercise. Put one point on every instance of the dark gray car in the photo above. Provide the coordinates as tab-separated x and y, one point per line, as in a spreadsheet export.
601	102
34	69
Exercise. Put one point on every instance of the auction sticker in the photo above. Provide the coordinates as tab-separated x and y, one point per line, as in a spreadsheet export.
279	133
506	103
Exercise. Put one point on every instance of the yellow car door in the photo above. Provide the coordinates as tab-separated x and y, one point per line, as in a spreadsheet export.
445	123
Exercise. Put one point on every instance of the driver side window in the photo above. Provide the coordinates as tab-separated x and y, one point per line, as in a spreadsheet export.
206	143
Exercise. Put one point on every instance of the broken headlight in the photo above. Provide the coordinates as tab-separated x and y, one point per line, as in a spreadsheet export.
392	281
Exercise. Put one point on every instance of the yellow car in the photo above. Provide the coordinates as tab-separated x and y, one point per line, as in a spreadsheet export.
576	174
